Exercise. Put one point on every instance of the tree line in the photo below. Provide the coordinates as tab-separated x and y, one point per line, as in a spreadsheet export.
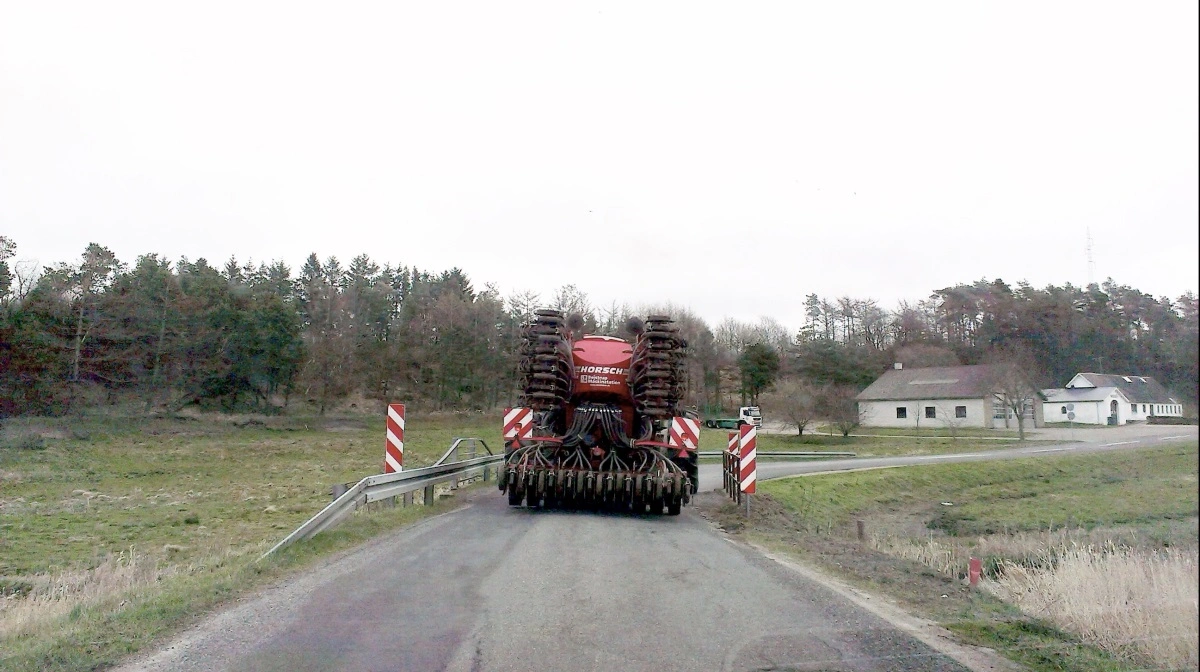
244	336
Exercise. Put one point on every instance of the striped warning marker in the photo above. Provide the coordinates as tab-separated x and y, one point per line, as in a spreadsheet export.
518	423
731	459
684	434
749	454
393	455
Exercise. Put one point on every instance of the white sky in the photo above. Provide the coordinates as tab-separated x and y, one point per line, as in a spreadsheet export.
731	157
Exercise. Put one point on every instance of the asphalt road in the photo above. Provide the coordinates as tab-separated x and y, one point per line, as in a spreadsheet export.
1123	438
489	587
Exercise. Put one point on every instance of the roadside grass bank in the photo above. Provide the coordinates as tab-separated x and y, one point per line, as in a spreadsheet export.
118	531
1089	562
867	446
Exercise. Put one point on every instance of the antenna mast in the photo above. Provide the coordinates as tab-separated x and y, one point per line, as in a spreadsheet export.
1090	260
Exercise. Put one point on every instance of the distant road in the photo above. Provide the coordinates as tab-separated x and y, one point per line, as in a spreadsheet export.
1089	441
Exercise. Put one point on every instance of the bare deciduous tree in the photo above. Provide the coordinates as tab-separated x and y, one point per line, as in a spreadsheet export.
770	331
1014	383
950	420
840	407
795	401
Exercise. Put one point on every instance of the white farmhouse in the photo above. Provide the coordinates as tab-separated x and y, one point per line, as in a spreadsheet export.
1104	399
936	397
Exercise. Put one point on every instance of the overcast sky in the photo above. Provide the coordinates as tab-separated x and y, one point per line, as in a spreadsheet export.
731	157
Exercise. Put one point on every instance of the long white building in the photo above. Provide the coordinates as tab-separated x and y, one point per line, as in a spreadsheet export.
1106	399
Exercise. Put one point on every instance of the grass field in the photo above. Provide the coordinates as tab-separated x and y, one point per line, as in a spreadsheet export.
114	530
1094	556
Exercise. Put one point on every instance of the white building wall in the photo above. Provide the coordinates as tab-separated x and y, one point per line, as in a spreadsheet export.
1138	412
1171	410
1097	412
1142	411
883	413
1086	412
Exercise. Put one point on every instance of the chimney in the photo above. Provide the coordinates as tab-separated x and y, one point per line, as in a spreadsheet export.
898	366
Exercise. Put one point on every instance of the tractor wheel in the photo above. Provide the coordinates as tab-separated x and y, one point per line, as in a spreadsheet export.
674	506
656	507
514	497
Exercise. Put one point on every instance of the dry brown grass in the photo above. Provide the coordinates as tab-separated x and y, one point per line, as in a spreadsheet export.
1137	603
47	597
950	555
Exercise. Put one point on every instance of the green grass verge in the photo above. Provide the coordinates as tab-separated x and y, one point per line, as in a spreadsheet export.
198	501
1143	486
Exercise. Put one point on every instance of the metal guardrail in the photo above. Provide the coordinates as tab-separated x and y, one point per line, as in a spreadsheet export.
386	486
471	453
783	453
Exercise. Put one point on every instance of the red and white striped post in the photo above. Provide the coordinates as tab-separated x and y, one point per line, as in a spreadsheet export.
393	453
749	453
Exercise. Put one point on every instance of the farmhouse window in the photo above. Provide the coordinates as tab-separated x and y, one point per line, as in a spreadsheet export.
1133	408
901	412
930	412
1064	410
960	411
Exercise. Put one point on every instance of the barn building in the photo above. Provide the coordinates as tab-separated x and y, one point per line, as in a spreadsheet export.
938	397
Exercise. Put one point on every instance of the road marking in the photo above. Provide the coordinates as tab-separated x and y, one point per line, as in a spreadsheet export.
948	457
1047	450
1120	443
1169	438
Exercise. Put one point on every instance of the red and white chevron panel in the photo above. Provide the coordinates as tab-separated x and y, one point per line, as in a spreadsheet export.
734	442
518	423
749	448
393	456
685	434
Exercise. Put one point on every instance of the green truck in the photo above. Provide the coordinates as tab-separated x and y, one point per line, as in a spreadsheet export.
747	415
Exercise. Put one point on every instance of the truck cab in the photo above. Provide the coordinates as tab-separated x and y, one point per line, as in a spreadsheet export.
747	415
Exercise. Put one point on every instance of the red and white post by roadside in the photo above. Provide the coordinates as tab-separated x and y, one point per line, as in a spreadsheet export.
749	452
731	458
393	455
